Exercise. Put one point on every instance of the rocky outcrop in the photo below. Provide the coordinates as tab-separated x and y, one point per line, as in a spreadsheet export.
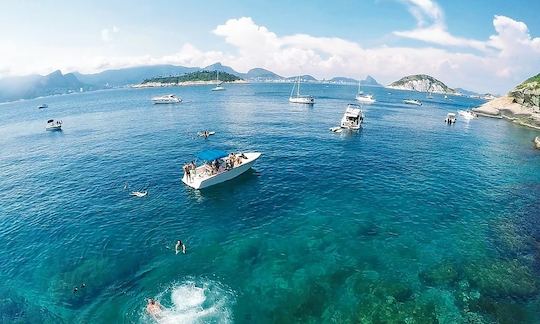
521	105
421	82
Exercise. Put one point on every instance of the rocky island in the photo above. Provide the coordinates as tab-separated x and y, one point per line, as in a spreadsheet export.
422	83
193	78
521	105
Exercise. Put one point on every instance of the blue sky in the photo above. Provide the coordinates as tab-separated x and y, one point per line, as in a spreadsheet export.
483	45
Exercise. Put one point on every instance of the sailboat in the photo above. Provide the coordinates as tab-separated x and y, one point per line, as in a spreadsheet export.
218	87
297	98
430	95
364	98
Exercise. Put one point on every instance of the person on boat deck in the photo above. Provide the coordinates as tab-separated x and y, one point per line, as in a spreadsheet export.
154	308
193	169
186	168
180	246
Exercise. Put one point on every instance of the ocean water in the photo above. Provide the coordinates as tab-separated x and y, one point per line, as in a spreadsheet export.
407	221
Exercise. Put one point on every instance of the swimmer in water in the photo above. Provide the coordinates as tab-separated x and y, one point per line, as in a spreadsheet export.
180	246
154	308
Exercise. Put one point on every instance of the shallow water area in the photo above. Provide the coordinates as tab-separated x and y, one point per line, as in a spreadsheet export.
407	220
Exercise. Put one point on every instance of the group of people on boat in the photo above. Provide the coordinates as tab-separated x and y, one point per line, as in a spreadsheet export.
215	166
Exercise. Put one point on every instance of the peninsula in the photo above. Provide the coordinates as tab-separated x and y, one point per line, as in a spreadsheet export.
521	105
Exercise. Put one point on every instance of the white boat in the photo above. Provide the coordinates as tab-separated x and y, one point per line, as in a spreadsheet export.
217	168
430	95
166	99
139	194
53	125
218	87
450	118
412	102
467	114
300	99
364	98
352	118
43	106
537	142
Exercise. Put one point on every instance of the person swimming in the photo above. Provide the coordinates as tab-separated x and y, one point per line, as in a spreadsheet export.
154	308
180	246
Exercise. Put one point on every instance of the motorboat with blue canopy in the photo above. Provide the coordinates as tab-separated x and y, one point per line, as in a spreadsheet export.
210	155
218	166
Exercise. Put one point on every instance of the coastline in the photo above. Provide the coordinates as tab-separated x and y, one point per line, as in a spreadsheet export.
184	84
507	108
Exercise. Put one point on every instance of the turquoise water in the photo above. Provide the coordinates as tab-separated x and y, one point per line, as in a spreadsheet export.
407	221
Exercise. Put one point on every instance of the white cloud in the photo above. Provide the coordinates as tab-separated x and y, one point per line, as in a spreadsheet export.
107	34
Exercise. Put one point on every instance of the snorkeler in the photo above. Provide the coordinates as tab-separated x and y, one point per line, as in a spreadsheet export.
154	308
180	246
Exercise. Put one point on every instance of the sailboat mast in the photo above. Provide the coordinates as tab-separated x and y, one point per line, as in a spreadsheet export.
298	89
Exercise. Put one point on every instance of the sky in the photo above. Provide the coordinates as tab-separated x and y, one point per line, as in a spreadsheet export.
481	45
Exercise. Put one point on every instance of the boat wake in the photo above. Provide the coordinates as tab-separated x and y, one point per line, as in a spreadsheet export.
195	302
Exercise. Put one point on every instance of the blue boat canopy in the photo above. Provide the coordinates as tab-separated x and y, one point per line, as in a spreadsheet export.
209	155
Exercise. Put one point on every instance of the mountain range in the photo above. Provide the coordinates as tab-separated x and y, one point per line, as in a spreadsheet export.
31	86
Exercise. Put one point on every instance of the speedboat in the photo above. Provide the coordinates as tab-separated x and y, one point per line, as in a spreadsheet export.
166	99
467	114
537	142
352	118
205	133
53	125
450	118
298	98
217	167
366	99
139	194
412	102
43	106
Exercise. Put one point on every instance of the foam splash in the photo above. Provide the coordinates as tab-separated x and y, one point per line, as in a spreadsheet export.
196	302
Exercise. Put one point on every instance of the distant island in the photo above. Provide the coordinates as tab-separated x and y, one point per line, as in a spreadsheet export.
192	78
521	105
422	83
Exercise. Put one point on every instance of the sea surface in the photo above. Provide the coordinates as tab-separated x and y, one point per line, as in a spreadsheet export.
408	220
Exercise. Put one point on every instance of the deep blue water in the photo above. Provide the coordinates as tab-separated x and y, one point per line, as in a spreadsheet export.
408	220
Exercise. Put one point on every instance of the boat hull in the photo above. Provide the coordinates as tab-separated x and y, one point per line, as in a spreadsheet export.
162	102
365	100
306	101
205	182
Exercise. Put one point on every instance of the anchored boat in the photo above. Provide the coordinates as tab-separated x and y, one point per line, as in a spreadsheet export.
219	86
298	98
218	167
412	102
166	99
53	125
364	98
467	114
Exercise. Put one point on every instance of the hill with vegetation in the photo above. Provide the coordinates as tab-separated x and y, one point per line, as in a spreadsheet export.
421	82
198	76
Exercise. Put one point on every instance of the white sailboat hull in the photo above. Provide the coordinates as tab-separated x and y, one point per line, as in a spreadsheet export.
302	100
365	99
201	181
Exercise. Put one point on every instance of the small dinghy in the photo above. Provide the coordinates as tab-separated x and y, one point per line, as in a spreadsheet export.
336	129
139	194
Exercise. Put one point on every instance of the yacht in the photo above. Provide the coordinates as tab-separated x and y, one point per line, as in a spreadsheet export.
218	87
467	114
352	118
43	106
53	125
412	102
450	118
166	99
364	98
217	167
300	99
